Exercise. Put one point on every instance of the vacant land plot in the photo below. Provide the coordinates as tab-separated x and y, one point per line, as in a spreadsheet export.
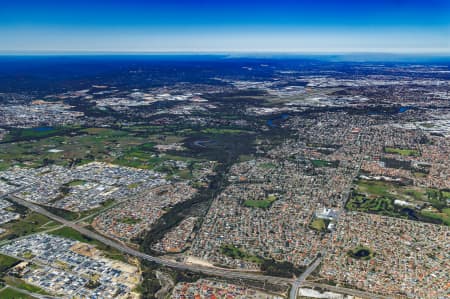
402	151
67	232
30	223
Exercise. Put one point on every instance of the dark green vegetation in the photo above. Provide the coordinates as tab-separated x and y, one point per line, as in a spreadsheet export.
7	262
9	293
363	204
282	269
361	253
136	146
222	131
260	203
92	284
38	133
429	205
224	148
196	206
402	151
131	145
238	253
150	283
67	232
267	266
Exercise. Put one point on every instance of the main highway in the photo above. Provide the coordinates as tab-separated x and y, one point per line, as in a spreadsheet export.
232	274
220	272
299	281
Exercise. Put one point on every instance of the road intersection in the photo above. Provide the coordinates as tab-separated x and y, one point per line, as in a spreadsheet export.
220	272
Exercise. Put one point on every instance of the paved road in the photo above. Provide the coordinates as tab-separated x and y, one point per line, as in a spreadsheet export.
341	290
233	274
227	273
299	281
34	295
302	278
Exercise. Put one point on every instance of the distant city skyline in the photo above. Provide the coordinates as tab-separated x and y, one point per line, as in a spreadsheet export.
226	26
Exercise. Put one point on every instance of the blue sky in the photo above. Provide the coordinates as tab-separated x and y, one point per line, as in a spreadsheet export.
226	26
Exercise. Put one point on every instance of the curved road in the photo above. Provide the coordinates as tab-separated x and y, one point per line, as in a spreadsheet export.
233	274
227	273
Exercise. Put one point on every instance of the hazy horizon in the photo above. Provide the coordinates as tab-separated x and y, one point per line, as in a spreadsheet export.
233	26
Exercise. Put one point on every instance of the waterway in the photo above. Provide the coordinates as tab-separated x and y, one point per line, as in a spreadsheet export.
42	129
274	121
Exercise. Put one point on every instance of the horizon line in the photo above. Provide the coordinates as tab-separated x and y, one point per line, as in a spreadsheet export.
221	52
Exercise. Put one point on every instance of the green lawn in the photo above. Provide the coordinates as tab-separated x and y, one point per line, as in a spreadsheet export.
319	224
263	203
324	163
374	188
402	152
267	165
9	293
446	194
20	284
443	215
